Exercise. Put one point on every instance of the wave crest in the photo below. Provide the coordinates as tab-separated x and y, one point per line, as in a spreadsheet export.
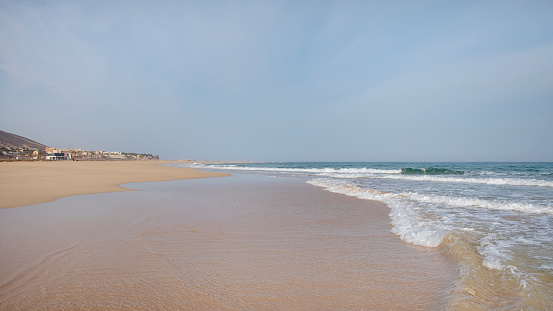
429	171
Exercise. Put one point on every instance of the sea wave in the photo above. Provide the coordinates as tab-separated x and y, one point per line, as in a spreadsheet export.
336	186
429	171
407	221
312	171
485	181
480	203
424	174
493	256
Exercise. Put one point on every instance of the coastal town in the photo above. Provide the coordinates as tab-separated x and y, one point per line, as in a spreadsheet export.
57	154
18	148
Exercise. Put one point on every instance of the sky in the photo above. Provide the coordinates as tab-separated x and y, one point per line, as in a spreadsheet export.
282	80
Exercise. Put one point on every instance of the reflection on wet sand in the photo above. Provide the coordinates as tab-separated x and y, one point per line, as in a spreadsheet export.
244	242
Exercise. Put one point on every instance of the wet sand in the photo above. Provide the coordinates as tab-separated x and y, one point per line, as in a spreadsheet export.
26	183
238	243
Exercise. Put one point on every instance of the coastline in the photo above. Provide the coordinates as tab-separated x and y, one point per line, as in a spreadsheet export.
27	183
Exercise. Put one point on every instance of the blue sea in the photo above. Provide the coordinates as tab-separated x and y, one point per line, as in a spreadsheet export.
495	219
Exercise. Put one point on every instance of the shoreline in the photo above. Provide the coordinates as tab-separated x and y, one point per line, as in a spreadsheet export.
243	242
27	183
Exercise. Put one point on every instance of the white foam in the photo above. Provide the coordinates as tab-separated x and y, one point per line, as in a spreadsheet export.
485	181
345	172
472	202
546	267
492	257
407	222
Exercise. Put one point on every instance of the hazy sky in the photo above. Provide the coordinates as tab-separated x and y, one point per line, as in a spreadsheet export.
282	80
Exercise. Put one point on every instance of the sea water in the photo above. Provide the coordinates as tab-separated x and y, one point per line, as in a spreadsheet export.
495	219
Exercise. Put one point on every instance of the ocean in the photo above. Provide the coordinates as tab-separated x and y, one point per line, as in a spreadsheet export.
494	219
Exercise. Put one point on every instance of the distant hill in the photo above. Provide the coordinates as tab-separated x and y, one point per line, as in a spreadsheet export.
16	141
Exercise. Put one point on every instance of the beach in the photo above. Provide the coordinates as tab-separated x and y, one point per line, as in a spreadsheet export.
26	183
236	243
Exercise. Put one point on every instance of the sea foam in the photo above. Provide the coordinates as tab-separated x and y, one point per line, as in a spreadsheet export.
407	221
485	181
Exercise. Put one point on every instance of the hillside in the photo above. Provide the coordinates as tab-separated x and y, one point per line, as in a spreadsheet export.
16	141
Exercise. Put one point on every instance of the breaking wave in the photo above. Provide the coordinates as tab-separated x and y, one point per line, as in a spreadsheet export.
472	180
415	174
308	171
407	222
429	171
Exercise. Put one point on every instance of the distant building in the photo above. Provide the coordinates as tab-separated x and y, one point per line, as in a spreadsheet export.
51	150
115	155
75	155
56	156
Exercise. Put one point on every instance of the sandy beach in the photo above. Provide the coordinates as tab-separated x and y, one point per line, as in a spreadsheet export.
238	243
26	183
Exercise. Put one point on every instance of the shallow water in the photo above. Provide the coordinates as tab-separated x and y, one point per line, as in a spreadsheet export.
243	242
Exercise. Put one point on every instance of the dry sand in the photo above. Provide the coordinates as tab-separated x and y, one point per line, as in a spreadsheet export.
238	243
26	183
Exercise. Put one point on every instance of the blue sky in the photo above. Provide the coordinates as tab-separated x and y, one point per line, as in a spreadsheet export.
282	80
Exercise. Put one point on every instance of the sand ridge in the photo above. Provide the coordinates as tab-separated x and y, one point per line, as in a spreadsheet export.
26	183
